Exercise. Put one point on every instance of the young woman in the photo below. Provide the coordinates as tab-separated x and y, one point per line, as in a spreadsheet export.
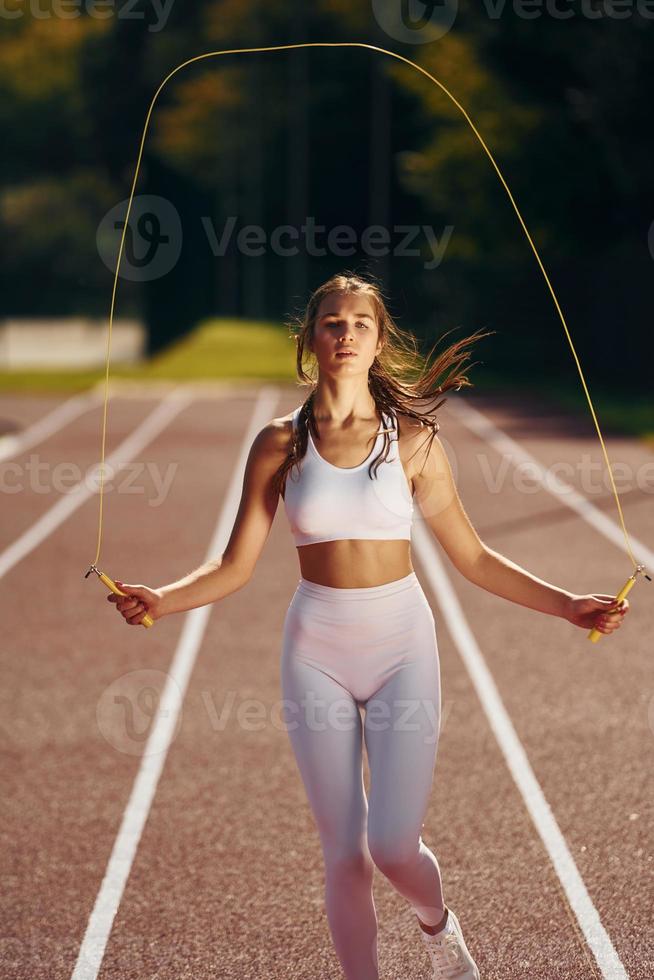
359	632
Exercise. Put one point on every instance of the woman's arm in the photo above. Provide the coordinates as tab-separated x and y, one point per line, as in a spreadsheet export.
212	581
444	513
220	577
498	574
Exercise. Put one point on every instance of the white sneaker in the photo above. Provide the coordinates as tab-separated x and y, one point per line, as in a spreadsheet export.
448	952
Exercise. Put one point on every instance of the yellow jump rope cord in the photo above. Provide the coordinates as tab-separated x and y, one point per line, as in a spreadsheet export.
355	44
594	634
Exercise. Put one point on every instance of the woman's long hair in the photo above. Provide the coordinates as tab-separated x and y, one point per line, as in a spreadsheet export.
389	377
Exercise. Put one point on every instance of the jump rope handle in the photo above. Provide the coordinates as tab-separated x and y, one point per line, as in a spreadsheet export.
595	634
147	620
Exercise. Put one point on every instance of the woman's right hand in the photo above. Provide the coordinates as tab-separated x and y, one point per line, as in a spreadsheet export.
138	601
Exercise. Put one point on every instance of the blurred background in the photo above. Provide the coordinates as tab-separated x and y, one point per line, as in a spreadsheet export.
264	174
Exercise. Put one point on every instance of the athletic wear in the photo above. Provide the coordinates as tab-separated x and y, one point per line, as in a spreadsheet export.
449	955
330	503
372	647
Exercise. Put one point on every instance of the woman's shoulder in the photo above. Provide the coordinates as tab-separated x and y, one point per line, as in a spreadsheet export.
287	419
285	423
408	427
414	435
279	433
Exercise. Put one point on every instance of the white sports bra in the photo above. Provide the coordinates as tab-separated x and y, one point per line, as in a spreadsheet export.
329	503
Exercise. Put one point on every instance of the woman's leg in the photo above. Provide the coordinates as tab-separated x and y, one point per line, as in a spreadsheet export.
324	725
402	725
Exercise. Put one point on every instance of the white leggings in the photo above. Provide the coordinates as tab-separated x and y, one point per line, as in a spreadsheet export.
373	648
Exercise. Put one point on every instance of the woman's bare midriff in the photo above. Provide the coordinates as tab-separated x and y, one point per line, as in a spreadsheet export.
355	564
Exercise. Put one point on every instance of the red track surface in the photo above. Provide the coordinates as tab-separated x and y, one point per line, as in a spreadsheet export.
227	879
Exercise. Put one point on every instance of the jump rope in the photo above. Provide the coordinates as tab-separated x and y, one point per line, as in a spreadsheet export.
594	635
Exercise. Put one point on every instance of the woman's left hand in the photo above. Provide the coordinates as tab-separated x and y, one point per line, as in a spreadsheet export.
599	611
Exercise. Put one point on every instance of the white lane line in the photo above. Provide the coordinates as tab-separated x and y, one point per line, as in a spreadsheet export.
516	757
154	756
67	505
39	431
566	494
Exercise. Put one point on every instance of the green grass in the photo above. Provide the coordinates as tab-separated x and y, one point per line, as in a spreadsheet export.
217	349
245	350
227	349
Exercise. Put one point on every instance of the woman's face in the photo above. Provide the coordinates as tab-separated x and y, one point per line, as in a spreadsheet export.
345	322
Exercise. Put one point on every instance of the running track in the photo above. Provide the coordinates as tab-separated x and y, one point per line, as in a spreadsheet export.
178	843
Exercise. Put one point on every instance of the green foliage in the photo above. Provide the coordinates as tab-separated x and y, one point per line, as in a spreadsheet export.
277	137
